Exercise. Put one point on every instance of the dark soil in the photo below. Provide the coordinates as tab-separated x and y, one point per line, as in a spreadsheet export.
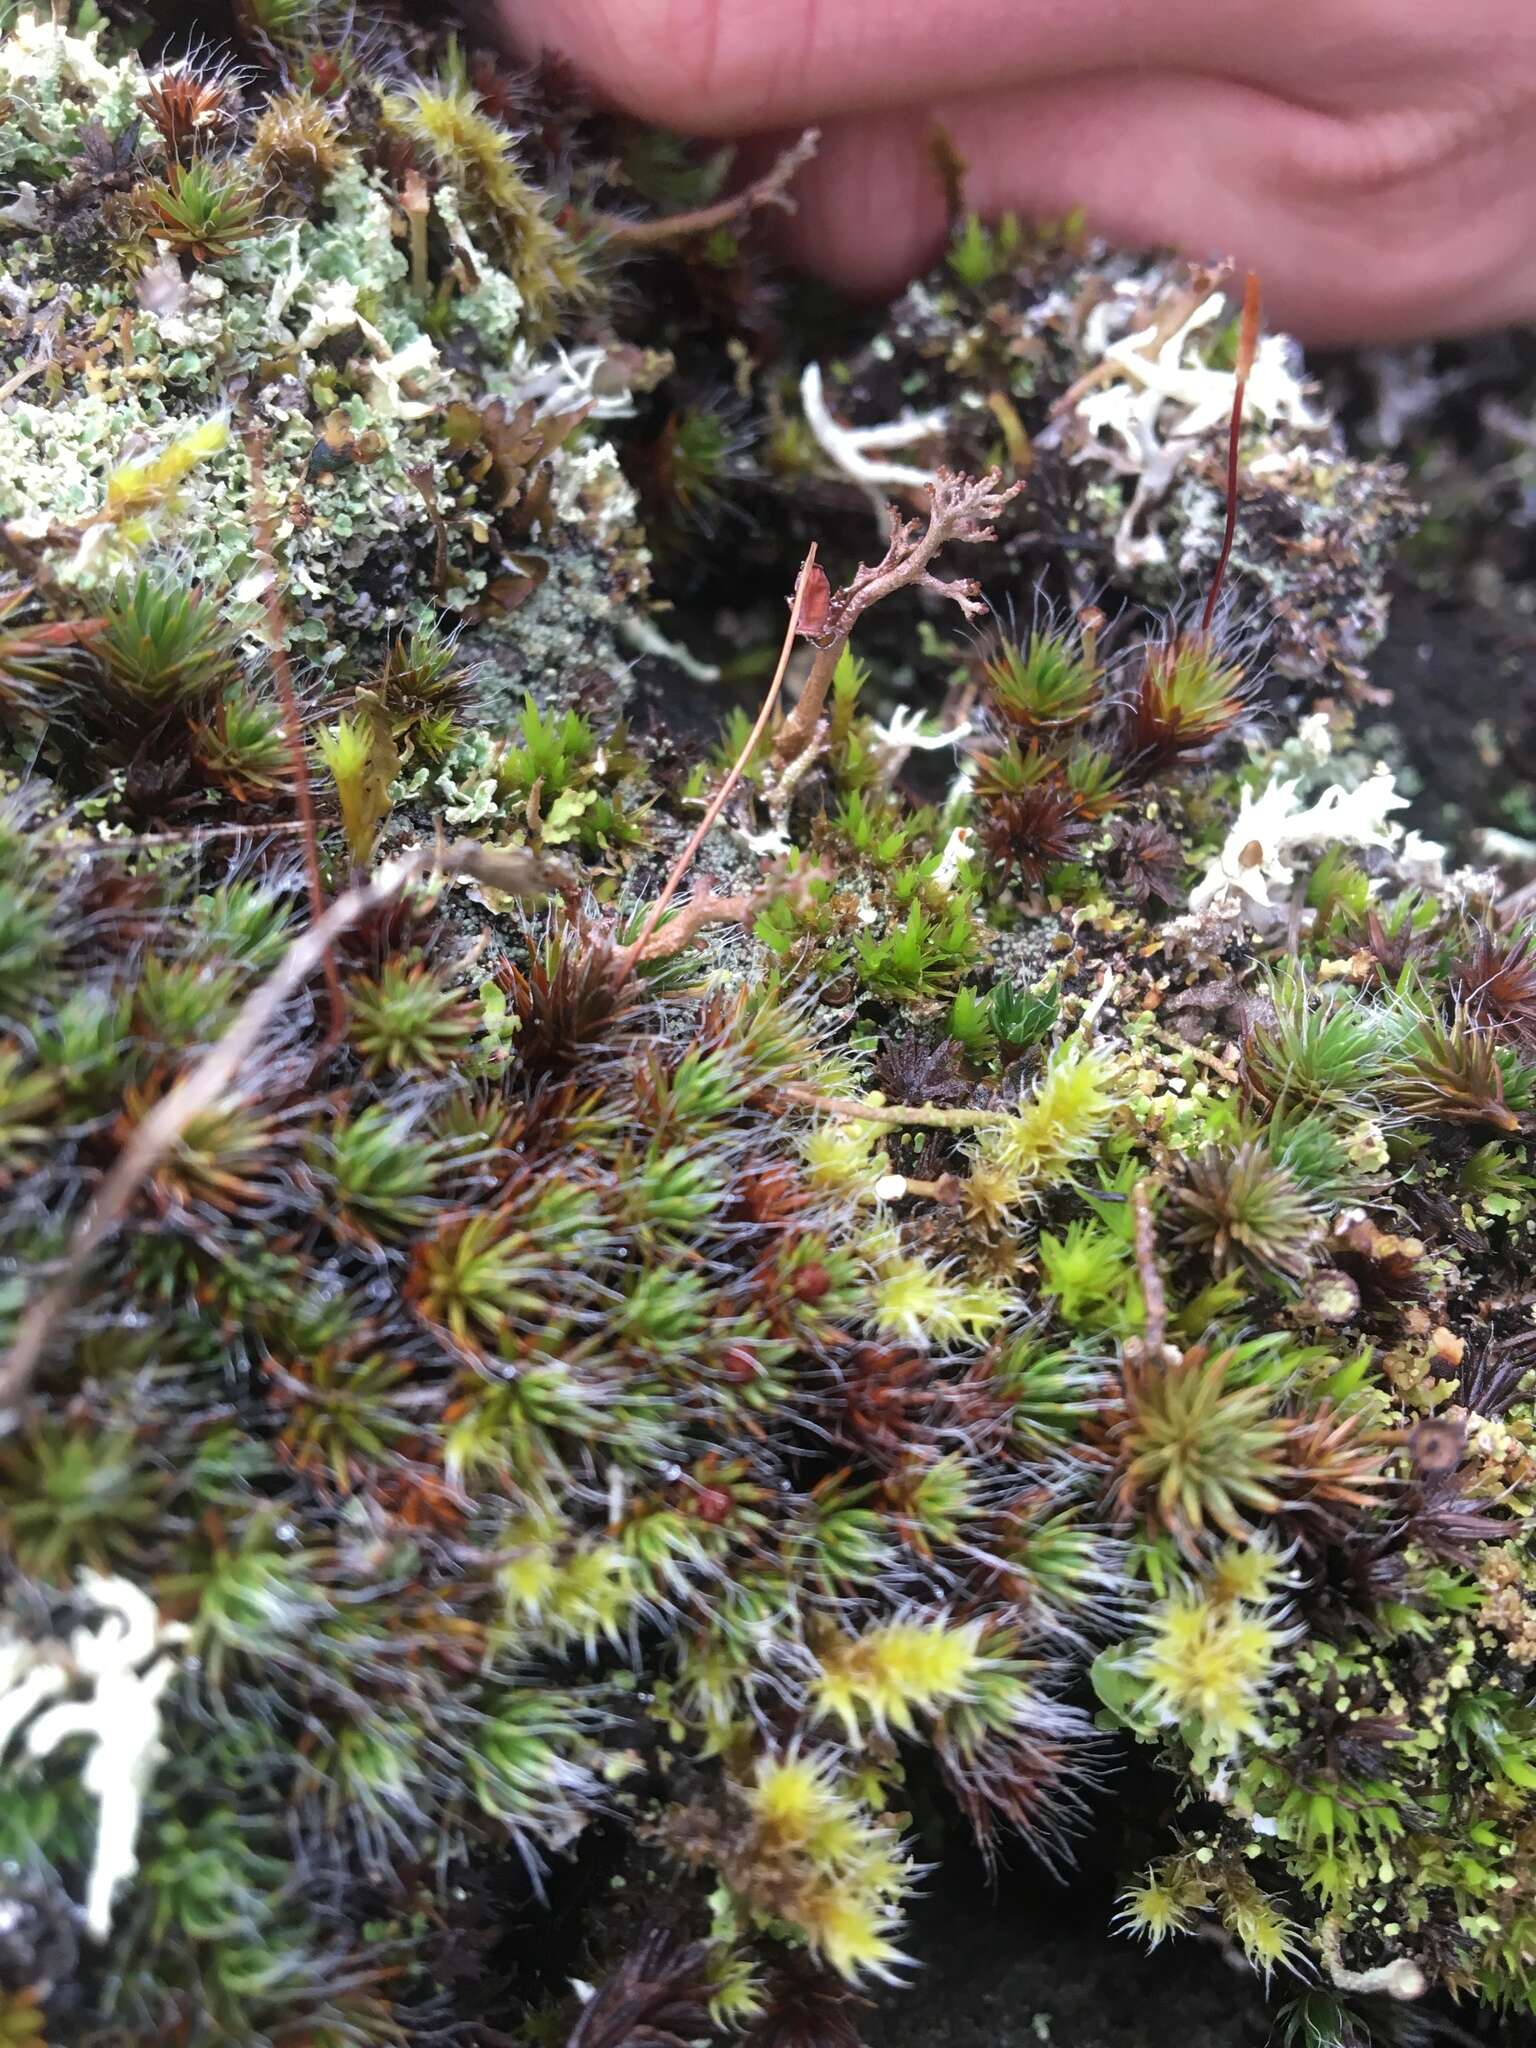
1025	1965
1029	1961
1463	689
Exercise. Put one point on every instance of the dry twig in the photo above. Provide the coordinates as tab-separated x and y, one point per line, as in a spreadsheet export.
303	794
924	1113
705	908
772	189
1150	1275
1247	349
626	959
194	836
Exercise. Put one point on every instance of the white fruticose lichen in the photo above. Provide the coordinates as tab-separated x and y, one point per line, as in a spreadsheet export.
1142	375
773	843
959	851
333	310
906	730
641	632
1149	373
1277	822
395	385
126	1660
566	379
856	450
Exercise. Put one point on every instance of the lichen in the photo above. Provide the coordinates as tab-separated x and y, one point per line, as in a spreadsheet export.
55	79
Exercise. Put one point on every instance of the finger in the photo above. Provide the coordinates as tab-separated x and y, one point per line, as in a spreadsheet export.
724	66
1361	231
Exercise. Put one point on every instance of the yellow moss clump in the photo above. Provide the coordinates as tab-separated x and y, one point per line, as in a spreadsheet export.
137	489
297	140
1206	1663
1055	1129
888	1674
456	141
825	1864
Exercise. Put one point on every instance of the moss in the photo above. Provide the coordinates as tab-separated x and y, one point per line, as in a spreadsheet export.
617	1394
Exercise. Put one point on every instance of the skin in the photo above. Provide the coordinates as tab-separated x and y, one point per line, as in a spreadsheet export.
1375	160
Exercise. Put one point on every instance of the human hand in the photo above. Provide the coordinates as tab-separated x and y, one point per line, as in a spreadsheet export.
1375	160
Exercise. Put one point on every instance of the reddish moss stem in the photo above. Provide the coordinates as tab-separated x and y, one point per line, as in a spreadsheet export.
636	951
282	671
1247	349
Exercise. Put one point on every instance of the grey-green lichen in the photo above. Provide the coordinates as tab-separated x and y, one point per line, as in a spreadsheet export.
314	322
56	80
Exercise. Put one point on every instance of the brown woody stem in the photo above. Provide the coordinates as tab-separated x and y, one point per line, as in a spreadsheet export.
794	735
768	190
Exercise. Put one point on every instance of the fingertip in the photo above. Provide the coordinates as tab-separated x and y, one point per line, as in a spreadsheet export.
649	57
869	212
